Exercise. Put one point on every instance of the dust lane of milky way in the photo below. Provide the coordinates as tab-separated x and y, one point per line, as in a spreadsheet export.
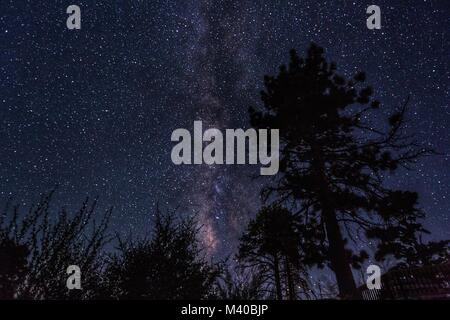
218	58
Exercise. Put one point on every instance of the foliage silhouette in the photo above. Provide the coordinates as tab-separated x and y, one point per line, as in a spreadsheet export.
403	238
37	247
242	284
13	266
271	244
169	265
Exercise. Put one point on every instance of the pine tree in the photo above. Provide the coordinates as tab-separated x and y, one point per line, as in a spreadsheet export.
403	239
271	244
332	158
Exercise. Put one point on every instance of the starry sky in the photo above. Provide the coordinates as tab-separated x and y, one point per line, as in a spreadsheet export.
92	110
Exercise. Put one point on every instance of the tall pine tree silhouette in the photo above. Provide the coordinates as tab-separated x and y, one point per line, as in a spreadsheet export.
332	158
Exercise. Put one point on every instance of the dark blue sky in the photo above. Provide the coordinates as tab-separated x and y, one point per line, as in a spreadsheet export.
92	110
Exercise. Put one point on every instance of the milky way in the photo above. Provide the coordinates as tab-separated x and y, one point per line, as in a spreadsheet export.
217	54
92	110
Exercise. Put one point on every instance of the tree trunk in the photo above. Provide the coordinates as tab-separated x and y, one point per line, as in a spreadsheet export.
276	267
338	257
336	251
291	289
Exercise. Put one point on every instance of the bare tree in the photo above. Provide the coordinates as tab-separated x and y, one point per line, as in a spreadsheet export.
39	245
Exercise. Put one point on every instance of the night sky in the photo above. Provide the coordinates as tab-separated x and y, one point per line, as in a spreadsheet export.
92	110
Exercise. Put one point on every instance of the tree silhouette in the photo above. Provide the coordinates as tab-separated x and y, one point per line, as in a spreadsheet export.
13	266
242	284
168	266
403	239
332	158
271	244
37	247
